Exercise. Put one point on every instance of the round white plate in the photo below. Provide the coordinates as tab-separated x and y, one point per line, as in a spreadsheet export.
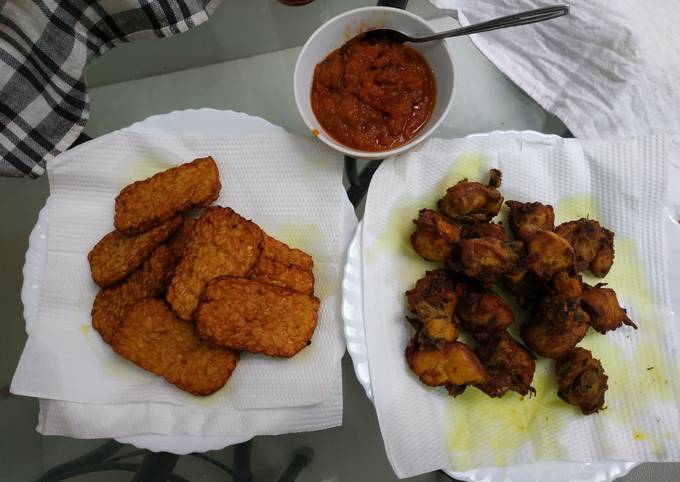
355	335
188	122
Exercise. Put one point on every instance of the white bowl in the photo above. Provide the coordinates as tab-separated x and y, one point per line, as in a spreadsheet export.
340	29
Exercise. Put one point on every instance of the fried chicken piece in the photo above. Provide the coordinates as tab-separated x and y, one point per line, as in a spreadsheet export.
470	201
603	260
482	310
280	251
527	288
115	256
559	324
528	218
584	236
256	317
112	304
566	285
268	270
144	204
488	259
435	237
483	230
451	365
152	337
581	381
603	308
433	300
509	364
548	253
223	243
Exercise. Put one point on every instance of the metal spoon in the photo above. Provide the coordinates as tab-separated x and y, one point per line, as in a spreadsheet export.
524	18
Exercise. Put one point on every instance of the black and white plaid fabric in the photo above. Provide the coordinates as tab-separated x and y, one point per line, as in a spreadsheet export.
45	46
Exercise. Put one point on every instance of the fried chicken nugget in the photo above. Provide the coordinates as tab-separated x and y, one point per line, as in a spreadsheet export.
152	337
469	201
581	381
115	256
488	259
112	304
433	300
483	230
268	270
280	251
548	253
144	204
435	237
451	365
603	308
256	317
482	310
603	260
584	236
222	243
528	218
509	364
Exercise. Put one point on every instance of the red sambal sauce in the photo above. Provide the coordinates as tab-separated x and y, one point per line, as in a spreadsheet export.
373	95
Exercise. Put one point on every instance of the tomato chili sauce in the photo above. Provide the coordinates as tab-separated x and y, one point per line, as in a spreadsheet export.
373	94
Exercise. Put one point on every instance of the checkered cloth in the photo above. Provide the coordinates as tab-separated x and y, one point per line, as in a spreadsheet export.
45	47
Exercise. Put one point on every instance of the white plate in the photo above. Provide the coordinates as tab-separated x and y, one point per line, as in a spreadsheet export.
188	122
355	335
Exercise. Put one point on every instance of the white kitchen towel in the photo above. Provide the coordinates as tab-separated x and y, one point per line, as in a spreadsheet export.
623	185
91	420
607	70
290	186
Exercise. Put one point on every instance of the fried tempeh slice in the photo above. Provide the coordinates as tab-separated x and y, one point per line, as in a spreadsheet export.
223	243
280	251
180	239
268	270
144	204
115	256
152	337
112	304
256	317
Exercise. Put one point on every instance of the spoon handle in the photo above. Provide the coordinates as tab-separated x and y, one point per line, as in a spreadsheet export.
524	18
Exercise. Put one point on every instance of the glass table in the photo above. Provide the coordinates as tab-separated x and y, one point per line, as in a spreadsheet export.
243	60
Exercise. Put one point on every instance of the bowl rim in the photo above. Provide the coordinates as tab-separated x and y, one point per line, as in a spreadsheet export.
328	140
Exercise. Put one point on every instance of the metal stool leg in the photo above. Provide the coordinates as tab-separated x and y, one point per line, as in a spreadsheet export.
242	467
302	457
156	467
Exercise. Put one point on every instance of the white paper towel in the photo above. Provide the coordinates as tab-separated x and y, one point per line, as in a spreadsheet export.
290	186
607	70
622	184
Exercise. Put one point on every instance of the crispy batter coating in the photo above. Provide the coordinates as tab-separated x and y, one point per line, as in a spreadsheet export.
223	243
584	236
470	201
482	310
435	237
581	381
603	308
433	300
603	260
483	230
528	218
113	303
268	270
280	251
144	204
152	337
548	253
451	365
256	317
509	364
115	256
488	259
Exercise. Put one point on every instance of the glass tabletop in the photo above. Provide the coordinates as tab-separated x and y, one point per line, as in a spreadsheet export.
241	59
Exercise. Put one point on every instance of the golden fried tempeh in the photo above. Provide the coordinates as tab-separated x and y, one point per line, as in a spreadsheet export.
144	204
223	243
115	256
268	270
152	337
280	251
113	303
256	317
